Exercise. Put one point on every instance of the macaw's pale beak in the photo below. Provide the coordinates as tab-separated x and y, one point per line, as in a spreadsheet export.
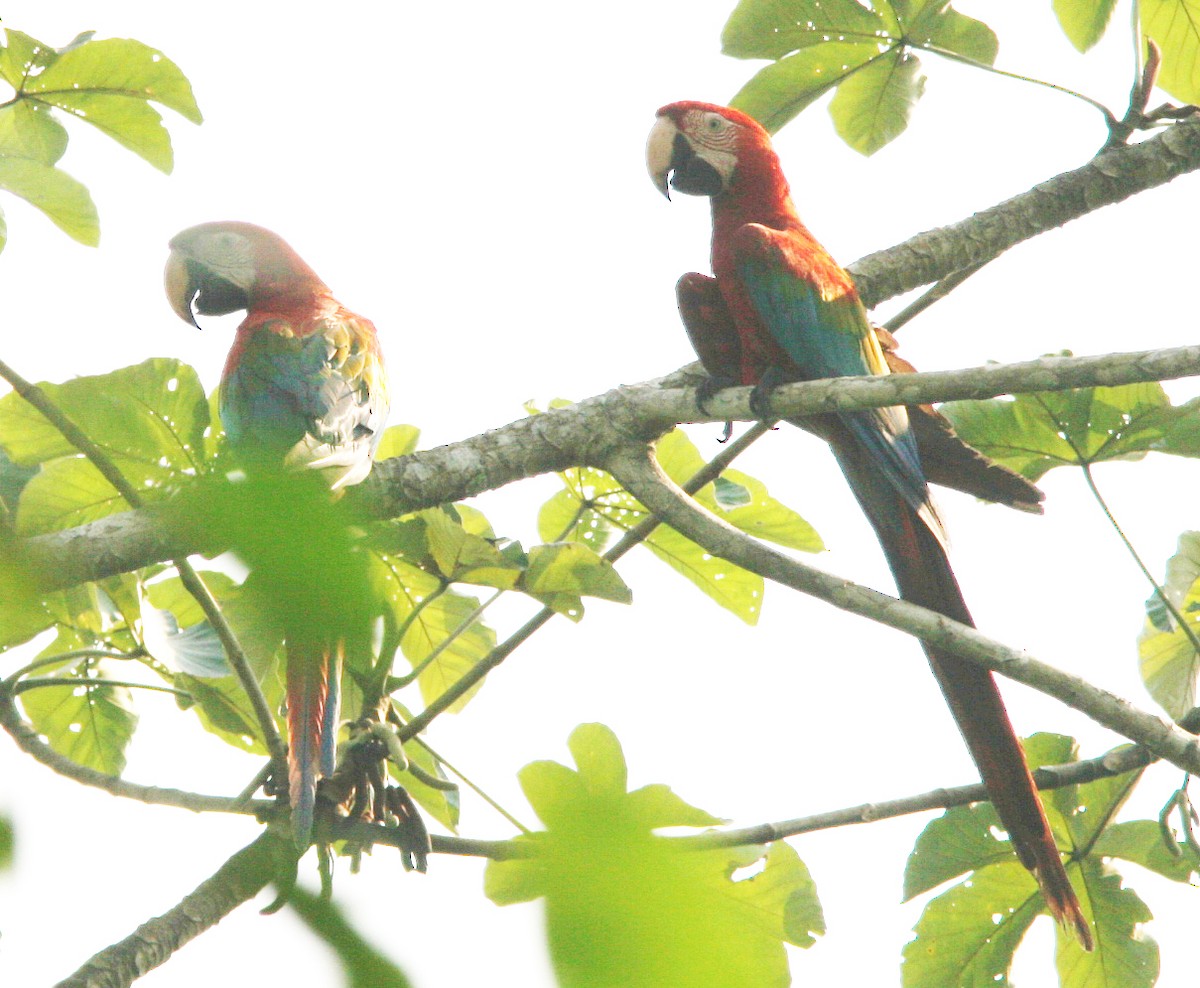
660	150
181	288
670	155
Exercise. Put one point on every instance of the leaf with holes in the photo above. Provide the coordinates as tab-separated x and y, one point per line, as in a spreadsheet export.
83	718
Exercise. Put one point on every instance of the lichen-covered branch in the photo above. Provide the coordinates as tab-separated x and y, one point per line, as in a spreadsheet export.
153	943
1108	178
587	433
640	474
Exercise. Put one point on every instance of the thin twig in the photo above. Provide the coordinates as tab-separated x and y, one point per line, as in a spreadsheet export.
27	740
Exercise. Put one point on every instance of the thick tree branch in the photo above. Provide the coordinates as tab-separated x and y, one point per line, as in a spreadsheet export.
587	433
1108	178
154	942
639	473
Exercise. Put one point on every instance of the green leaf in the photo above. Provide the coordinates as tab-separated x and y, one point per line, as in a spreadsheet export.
6	843
1167	658
961	840
397	440
736	589
65	201
1142	842
83	719
23	56
573	568
1084	21
108	83
365	966
1034	433
1175	25
154	412
465	558
871	107
778	92
966	936
775	28
23	612
30	131
626	907
938	26
225	710
431	614
740	499
1125	955
65	493
589	508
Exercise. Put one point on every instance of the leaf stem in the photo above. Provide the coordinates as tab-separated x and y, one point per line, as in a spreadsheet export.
1185	627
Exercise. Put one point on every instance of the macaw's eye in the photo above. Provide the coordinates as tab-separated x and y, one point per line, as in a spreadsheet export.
715	123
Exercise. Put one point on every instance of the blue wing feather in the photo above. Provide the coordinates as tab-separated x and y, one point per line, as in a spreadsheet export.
831	337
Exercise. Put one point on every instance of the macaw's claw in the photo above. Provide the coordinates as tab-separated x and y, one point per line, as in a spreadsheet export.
708	389
760	397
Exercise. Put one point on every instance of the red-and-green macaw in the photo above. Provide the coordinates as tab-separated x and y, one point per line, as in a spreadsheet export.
780	308
303	388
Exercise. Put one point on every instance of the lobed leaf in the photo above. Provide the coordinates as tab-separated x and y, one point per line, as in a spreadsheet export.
1033	433
778	92
626	907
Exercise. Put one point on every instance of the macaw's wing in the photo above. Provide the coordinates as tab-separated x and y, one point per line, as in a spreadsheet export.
950	462
808	306
316	400
709	325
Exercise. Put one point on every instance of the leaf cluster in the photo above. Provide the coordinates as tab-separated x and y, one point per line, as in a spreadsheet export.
108	83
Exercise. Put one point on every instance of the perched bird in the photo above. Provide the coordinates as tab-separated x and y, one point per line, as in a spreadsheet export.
303	389
780	309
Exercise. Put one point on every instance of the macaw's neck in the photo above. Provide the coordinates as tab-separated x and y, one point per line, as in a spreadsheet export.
302	306
758	193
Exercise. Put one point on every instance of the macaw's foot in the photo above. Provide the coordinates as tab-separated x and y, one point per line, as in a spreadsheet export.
707	390
760	397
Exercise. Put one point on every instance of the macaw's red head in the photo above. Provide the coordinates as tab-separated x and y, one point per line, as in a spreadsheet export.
218	268
704	150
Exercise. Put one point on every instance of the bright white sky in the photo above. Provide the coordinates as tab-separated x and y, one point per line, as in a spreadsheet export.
470	176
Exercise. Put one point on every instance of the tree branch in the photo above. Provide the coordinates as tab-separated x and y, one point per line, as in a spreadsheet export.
640	474
238	880
587	433
28	741
1108	178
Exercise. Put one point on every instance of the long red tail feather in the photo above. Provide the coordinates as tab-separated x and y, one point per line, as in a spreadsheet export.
923	575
